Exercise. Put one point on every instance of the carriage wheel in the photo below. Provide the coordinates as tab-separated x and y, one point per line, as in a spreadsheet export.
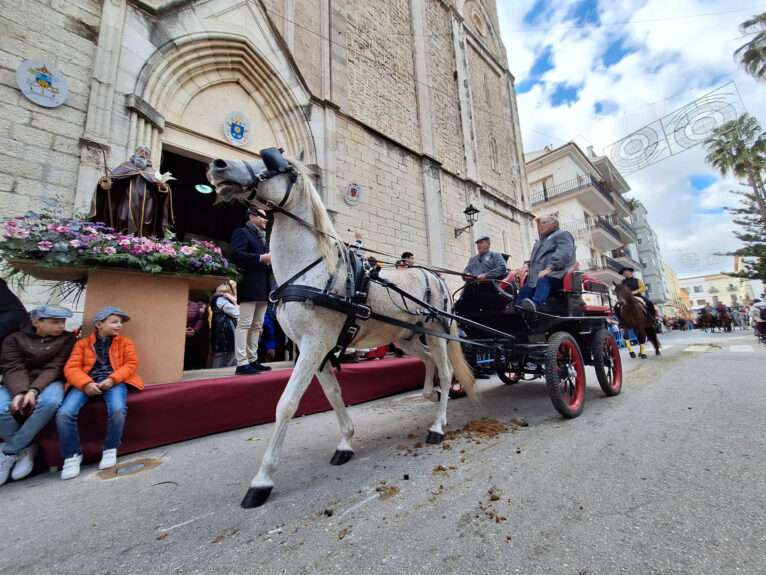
507	375
607	362
565	374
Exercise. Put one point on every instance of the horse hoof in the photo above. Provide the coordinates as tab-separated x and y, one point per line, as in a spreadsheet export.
341	457
643	356
434	437
657	352
255	497
633	354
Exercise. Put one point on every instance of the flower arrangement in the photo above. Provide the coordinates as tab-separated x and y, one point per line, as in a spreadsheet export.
55	242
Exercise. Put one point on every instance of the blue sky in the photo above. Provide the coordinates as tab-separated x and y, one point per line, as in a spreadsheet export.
595	71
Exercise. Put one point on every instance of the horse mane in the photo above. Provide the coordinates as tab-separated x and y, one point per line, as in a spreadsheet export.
329	239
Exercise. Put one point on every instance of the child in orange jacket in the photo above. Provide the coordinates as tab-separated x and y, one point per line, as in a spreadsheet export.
102	364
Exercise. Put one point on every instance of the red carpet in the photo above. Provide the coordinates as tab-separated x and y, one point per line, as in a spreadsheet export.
172	412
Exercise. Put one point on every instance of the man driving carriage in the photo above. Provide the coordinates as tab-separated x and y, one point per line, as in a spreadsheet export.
485	264
552	256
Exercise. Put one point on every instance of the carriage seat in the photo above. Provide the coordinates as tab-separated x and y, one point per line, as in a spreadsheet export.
592	291
506	284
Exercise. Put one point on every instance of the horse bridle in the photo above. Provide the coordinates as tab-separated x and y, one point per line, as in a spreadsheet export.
275	165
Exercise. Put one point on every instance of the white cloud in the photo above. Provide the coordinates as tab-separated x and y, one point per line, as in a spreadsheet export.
683	50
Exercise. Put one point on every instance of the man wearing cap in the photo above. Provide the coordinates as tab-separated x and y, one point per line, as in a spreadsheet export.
485	264
250	253
552	256
32	362
637	287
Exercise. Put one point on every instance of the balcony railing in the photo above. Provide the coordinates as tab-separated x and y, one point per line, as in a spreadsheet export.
626	224
587	224
600	263
542	194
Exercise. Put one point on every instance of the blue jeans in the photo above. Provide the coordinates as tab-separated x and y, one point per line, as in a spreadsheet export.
66	419
18	436
540	292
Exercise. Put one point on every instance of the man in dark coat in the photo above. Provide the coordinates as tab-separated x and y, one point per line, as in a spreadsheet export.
13	314
552	256
134	199
250	252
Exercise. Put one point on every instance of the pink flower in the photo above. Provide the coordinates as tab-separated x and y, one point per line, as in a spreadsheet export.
44	246
186	250
75	243
96	249
109	250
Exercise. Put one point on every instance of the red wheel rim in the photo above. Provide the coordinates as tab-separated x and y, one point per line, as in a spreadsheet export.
612	364
571	374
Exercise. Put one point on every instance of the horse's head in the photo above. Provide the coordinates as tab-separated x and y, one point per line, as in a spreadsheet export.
620	291
269	179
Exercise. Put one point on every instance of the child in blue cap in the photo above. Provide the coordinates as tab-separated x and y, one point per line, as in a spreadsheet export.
103	364
32	362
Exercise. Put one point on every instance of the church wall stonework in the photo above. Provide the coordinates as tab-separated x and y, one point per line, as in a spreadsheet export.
381	77
40	151
373	104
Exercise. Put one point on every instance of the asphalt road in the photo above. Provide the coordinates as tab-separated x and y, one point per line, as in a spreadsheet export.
667	477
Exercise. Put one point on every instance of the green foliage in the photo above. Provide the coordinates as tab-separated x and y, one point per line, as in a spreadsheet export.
752	55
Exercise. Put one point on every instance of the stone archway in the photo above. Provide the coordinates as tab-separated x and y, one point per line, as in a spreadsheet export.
187	75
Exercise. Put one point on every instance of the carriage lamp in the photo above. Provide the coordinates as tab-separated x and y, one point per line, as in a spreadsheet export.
471	214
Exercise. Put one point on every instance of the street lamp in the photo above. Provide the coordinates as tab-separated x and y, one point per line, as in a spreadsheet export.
471	215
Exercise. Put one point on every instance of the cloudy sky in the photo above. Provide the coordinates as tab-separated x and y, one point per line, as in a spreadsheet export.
595	71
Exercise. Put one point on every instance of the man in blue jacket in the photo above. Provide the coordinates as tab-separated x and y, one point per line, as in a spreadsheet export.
552	256
250	252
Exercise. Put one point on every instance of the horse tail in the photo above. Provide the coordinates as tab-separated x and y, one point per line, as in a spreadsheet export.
460	367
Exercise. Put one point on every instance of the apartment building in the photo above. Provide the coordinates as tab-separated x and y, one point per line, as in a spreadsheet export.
585	192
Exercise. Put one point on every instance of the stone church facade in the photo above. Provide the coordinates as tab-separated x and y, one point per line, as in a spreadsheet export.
411	100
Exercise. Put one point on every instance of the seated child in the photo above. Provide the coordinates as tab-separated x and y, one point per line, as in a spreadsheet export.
32	362
100	365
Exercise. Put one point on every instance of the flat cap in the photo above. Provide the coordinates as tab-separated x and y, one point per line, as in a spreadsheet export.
484	237
105	312
50	311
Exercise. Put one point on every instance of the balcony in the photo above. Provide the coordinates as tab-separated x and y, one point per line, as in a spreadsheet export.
629	235
604	236
592	193
624	258
604	268
621	205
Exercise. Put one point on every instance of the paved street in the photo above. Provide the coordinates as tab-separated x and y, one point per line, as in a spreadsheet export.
665	478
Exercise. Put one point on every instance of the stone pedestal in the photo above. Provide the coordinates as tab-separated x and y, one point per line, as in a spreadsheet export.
156	305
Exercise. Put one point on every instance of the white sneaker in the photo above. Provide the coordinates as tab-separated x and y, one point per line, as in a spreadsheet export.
25	462
6	464
108	459
71	467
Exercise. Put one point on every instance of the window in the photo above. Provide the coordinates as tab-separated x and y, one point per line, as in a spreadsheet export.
639	242
701	302
698	289
731	287
634	218
648	288
715	300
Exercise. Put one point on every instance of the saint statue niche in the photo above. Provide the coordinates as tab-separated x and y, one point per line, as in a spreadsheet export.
135	198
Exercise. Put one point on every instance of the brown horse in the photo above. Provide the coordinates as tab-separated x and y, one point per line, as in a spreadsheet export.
705	320
632	315
724	319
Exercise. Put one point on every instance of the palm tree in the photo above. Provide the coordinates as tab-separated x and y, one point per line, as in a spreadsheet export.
752	56
739	147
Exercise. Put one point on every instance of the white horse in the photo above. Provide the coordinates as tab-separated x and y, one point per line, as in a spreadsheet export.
315	329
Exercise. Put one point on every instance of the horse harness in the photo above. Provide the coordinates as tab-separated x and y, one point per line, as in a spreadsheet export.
359	274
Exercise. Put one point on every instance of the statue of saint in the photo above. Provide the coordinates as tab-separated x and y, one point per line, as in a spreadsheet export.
135	198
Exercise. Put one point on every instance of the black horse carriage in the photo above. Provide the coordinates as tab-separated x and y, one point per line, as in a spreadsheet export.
556	343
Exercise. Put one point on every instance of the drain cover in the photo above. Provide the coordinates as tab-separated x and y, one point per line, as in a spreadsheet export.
129	468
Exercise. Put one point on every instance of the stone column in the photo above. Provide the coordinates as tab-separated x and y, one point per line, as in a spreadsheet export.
466	98
94	146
